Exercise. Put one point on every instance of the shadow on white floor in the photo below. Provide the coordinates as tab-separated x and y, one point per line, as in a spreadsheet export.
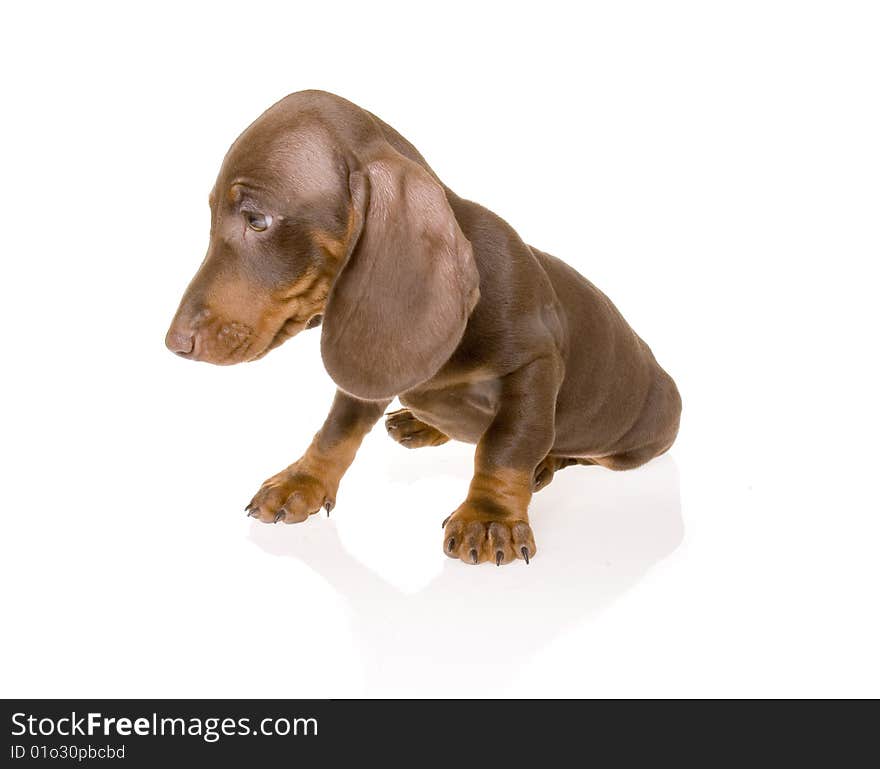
598	533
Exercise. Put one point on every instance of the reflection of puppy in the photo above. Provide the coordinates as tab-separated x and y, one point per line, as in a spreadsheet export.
322	210
601	533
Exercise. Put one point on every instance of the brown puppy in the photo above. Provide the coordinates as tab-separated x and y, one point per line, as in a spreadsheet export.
322	210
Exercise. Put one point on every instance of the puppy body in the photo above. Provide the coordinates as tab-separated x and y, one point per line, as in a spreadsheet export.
425	296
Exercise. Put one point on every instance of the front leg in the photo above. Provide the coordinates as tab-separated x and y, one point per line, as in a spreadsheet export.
493	523
311	482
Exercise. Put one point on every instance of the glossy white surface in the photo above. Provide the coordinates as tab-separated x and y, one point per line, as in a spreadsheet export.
714	171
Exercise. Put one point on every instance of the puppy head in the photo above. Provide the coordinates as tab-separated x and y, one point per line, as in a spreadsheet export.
306	224
281	219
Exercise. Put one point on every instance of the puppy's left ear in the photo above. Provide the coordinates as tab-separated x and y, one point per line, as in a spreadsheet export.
400	303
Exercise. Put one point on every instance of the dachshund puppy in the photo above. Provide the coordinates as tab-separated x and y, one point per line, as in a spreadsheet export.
321	211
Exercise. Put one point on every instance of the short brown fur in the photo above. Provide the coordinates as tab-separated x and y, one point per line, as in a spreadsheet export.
323	211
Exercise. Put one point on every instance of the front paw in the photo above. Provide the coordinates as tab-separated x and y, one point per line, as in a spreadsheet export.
411	432
482	531
292	496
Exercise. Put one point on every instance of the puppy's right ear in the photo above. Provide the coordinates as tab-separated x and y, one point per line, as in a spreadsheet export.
400	303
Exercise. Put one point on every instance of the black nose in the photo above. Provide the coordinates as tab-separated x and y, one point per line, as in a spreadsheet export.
180	342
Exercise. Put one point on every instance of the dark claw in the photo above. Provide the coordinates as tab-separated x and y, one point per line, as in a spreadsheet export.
445	521
328	506
474	554
499	557
280	514
525	554
254	512
450	546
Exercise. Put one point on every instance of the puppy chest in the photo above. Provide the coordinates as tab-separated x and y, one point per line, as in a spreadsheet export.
462	412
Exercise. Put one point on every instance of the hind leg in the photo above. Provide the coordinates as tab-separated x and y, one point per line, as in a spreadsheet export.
629	460
411	432
545	471
653	433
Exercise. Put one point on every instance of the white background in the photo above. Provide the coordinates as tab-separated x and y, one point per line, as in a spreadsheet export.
713	167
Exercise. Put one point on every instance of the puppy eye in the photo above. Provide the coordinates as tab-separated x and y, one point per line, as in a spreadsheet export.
257	221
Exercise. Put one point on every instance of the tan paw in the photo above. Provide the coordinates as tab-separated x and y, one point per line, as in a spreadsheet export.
410	432
291	497
545	471
481	532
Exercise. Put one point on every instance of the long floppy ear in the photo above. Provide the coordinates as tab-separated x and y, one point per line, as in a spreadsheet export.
400	303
